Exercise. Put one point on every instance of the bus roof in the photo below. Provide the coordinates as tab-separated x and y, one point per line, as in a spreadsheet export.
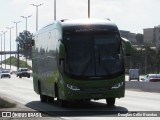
84	25
75	22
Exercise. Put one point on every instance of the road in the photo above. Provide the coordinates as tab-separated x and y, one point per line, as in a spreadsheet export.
21	90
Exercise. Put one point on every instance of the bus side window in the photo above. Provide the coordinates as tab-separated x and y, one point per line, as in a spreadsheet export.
61	50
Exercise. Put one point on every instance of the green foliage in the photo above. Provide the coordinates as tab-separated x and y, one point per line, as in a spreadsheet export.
14	62
145	58
6	104
139	38
23	38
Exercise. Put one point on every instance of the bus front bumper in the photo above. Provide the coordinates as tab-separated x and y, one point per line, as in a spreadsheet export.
74	93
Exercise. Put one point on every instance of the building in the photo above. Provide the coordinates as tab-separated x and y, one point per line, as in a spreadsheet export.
148	35
152	35
157	36
128	35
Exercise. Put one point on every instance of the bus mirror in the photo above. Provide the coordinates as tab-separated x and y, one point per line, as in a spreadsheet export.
127	46
61	50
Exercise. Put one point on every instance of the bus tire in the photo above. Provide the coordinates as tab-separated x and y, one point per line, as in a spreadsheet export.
110	101
39	87
43	98
56	90
62	103
50	99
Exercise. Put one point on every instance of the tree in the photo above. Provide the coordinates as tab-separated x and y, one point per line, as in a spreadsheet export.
158	61
139	38
25	37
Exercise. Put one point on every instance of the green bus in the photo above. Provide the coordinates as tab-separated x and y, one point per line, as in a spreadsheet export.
80	59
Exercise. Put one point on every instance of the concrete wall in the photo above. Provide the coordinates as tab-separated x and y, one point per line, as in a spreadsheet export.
143	86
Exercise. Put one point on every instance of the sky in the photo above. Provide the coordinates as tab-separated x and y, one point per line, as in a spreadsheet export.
129	15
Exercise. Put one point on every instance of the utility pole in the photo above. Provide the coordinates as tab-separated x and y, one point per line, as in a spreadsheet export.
10	28
37	14
17	43
26	17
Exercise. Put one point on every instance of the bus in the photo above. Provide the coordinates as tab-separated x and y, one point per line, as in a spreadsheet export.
79	59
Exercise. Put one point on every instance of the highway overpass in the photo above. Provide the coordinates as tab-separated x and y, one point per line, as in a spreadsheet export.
7	52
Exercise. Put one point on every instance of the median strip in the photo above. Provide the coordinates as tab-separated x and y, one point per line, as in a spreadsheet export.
6	104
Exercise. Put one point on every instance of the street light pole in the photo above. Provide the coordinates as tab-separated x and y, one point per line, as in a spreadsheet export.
88	8
17	43
10	28
26	33
16	27
26	17
37	14
1	50
54	9
4	32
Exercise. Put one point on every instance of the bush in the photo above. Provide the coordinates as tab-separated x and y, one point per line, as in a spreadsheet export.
14	62
6	104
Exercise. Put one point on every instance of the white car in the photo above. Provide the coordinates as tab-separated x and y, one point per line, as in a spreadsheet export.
5	73
151	78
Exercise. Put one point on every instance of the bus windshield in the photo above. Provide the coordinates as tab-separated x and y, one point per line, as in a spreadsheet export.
93	55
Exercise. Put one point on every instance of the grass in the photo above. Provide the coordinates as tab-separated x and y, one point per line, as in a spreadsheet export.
6	104
14	62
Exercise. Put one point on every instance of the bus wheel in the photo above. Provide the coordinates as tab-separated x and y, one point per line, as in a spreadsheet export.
110	101
62	103
50	99
43	98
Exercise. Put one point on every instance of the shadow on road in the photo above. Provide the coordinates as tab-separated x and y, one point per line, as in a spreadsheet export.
77	109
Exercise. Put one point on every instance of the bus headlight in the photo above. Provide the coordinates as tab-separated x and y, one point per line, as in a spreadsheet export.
72	87
116	86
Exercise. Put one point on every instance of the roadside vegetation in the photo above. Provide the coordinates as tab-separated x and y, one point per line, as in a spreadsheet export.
14	62
145	58
6	104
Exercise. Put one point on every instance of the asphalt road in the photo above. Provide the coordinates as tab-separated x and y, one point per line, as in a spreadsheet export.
21	90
